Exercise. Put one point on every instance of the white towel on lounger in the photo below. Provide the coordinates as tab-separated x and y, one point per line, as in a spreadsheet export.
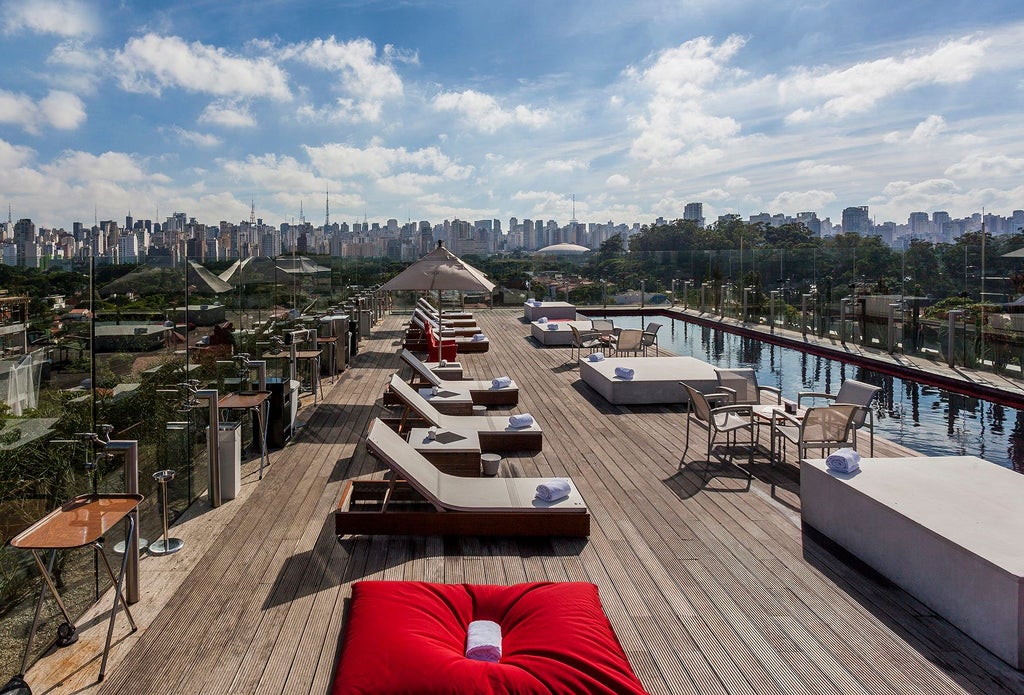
477	337
520	421
554	489
542	319
595	357
624	372
844	460
552	326
501	382
483	641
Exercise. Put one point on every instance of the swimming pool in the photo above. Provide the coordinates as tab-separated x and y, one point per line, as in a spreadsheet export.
924	418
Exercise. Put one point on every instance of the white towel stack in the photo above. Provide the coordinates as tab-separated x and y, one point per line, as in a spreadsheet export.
483	641
624	372
501	382
477	337
520	421
554	489
843	461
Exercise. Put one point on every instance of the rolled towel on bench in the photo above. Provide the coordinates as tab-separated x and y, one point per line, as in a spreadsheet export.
501	382
554	489
595	357
477	337
552	326
542	319
624	372
520	421
844	460
483	641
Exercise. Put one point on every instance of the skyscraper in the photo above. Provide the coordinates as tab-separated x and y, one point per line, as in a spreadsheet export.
695	212
856	219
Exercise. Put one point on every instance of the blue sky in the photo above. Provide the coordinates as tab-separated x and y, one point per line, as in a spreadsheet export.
478	109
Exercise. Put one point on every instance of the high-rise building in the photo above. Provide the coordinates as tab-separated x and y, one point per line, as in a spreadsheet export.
695	212
919	224
856	219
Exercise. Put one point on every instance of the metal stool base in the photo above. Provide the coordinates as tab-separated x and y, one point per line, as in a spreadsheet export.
119	546
167	546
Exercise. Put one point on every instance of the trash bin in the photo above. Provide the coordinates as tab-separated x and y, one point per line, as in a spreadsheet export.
229	452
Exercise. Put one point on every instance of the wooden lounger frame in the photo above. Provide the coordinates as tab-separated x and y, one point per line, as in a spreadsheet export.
393	508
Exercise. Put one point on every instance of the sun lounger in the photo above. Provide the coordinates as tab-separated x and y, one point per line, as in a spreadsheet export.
421	500
425	304
494	431
482	392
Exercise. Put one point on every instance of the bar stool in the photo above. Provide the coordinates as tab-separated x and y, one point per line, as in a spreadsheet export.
165	545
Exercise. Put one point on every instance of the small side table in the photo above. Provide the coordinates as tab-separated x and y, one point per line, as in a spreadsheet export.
80	522
456	452
259	404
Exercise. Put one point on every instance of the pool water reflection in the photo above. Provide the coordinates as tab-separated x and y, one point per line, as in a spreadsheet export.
924	418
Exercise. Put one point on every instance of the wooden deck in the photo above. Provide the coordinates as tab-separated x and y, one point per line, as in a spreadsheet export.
710	589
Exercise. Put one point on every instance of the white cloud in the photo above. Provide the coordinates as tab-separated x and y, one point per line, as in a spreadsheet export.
675	121
151	63
617	181
345	161
407	183
483	112
58	109
109	166
714	194
367	82
61	17
62	110
14	156
227	115
737	183
928	129
195	138
275	173
811	168
986	166
795	201
837	93
564	166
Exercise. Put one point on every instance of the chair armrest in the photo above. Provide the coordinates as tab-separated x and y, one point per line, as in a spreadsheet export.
728	393
813	394
744	409
771	389
783	415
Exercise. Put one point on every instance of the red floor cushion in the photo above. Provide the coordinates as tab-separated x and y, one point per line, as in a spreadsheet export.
410	638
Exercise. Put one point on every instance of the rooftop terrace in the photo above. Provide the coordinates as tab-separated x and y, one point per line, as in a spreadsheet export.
710	589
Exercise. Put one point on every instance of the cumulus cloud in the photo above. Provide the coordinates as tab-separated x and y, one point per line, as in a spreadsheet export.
987	166
195	138
58	109
838	93
109	166
564	166
274	173
345	161
407	183
366	82
227	115
60	17
14	156
801	200
483	112
737	183
928	129
617	181
675	120
149	64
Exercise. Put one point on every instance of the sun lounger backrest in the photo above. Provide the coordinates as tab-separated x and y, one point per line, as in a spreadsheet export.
408	395
419	368
407	463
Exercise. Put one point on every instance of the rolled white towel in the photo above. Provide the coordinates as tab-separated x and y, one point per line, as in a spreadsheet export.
520	421
483	641
554	489
542	319
552	326
624	372
844	460
501	382
477	337
443	363
595	357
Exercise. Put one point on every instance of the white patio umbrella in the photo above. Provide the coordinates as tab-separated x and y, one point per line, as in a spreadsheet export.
440	270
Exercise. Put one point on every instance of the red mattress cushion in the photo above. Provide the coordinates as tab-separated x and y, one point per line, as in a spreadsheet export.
410	637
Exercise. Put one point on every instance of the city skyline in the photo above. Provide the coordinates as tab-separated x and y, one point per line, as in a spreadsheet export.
473	110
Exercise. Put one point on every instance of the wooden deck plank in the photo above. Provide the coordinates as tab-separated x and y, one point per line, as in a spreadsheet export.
710	588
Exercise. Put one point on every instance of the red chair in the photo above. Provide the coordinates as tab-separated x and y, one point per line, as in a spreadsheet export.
445	349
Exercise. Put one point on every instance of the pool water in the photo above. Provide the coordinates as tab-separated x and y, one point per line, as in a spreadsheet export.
924	418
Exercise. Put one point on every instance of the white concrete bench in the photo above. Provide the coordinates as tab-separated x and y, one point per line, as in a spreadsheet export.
948	530
655	380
